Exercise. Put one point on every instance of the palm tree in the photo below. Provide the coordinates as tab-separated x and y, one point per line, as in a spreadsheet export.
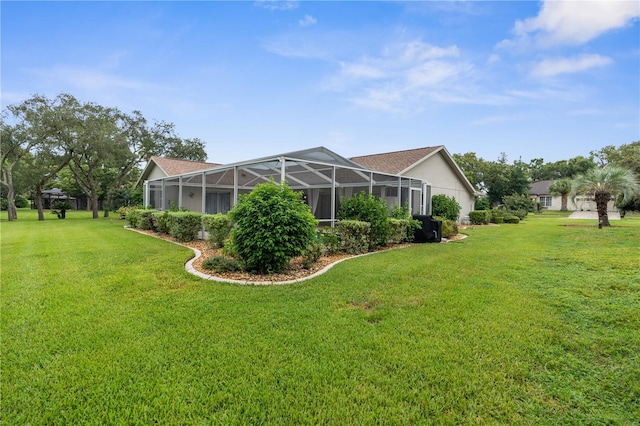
562	188
605	184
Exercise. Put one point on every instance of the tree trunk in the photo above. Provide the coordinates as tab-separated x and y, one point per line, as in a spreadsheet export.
11	204
563	207
94	204
38	202
602	198
11	194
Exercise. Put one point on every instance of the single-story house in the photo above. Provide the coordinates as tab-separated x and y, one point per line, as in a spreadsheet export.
159	167
324	177
432	164
540	193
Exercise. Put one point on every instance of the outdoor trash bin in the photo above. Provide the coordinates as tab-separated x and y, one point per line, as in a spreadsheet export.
431	231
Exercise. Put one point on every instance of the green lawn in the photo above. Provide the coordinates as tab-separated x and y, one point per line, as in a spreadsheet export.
536	323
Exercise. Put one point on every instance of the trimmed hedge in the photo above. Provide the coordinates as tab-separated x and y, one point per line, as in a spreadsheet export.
355	236
512	219
141	218
218	226
398	230
449	227
367	208
185	225
330	240
479	217
162	222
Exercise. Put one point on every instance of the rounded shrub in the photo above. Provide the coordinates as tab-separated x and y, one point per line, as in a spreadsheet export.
21	202
218	226
367	208
184	226
449	227
273	224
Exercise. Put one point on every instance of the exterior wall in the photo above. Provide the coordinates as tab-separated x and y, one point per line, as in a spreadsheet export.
444	181
580	204
156	173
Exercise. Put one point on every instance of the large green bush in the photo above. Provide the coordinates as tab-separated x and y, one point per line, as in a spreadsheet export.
218	226
367	208
185	225
273	225
518	205
446	207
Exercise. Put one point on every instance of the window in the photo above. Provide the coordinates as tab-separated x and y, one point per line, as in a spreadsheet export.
546	201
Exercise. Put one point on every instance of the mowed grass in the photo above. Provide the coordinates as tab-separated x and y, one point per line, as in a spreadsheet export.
536	323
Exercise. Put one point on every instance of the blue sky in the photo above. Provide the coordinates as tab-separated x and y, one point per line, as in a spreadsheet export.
549	80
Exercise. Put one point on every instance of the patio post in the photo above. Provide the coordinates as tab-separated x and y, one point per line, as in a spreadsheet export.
204	193
333	196
180	192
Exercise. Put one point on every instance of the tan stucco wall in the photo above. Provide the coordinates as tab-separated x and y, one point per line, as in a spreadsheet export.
444	181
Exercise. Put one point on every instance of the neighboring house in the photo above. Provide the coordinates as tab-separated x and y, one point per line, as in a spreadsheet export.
432	164
324	177
50	196
539	192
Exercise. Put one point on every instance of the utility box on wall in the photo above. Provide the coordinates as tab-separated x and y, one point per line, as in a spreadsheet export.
431	231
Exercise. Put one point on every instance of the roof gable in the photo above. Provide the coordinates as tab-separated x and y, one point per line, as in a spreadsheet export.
395	162
541	187
173	167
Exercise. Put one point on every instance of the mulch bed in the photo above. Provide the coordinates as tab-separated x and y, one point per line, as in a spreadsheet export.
295	271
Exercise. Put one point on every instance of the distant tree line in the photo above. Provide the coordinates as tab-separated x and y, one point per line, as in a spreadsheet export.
97	152
83	148
500	178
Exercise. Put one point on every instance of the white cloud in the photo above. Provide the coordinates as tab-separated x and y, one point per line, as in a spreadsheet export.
89	79
402	75
494	58
493	120
552	67
277	4
307	21
576	22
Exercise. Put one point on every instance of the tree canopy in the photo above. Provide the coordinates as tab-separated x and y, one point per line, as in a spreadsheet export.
102	148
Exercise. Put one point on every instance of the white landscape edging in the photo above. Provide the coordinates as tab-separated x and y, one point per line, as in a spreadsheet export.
188	266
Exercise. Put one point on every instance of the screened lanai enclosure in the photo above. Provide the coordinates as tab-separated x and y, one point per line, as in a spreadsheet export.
324	178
